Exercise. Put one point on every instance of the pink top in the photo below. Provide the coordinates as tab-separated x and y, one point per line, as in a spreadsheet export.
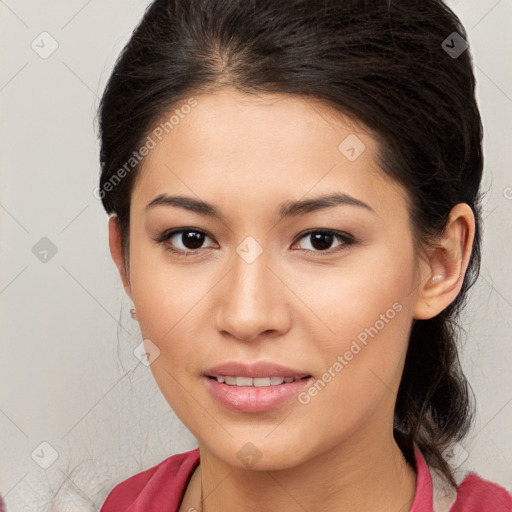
161	489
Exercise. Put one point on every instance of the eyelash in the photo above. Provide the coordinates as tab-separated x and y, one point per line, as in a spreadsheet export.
346	239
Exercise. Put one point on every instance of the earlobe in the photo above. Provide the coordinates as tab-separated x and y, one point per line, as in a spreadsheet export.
116	251
443	274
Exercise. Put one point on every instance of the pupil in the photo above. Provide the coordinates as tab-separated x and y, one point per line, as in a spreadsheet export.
322	241
192	239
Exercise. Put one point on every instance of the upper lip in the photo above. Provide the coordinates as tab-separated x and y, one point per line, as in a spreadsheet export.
257	369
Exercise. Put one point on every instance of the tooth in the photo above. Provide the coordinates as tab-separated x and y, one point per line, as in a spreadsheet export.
262	381
256	382
244	381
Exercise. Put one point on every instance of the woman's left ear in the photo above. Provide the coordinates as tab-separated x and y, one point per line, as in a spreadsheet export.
442	272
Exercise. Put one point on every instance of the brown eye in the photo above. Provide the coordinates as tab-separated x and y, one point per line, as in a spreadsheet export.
322	240
184	240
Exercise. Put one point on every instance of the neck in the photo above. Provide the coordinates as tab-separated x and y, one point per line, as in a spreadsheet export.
364	473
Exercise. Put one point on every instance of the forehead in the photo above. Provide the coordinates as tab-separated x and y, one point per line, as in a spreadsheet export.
231	142
270	119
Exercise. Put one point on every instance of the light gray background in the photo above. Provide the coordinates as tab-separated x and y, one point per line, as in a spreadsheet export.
68	375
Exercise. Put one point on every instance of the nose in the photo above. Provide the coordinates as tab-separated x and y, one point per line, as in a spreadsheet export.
252	303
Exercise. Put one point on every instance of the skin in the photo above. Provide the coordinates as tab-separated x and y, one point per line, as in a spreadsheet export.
294	305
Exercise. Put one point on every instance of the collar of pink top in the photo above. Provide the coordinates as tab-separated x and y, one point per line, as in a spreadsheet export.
424	496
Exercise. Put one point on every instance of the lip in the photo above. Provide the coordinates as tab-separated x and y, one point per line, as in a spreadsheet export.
254	399
258	369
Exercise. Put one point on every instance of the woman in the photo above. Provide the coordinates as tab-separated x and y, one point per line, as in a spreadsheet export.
293	190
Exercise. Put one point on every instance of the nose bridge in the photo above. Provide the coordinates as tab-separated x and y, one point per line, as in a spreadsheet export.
251	301
250	280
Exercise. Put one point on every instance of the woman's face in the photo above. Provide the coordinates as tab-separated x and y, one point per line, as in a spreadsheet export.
258	290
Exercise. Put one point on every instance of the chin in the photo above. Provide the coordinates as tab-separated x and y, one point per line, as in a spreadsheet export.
260	453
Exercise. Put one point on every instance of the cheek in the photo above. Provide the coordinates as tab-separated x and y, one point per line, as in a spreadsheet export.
368	311
165	294
360	296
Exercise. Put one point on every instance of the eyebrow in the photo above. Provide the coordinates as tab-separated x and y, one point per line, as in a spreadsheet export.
286	209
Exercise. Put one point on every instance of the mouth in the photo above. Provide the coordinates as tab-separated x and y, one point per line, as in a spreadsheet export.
257	382
256	387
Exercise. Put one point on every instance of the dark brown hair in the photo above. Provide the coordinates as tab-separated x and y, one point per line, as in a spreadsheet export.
384	63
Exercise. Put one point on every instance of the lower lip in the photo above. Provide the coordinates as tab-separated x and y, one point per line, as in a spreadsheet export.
254	399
